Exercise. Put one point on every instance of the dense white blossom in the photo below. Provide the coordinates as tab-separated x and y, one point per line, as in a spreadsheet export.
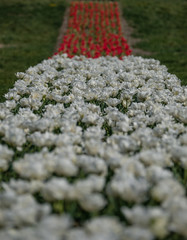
5	156
96	137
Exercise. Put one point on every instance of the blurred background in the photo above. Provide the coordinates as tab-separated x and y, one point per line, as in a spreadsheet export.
29	31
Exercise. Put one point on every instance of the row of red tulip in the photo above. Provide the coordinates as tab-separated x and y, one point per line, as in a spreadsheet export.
94	30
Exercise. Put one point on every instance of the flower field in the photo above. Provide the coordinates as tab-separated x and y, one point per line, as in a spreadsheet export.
94	147
94	30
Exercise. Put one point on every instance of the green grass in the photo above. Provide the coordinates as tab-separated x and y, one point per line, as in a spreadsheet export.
161	25
28	31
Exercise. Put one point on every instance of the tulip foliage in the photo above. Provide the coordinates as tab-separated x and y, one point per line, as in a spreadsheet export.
94	30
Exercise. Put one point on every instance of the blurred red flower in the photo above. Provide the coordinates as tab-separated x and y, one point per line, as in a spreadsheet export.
94	30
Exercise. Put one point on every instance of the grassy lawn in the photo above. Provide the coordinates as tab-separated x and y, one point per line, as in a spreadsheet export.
161	25
28	33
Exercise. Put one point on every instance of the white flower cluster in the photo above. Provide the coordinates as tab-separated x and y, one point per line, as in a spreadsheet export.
5	157
94	149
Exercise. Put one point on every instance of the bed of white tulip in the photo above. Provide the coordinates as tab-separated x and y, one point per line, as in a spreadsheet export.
94	149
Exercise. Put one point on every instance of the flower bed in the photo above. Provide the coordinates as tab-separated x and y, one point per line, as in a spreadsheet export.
94	30
94	149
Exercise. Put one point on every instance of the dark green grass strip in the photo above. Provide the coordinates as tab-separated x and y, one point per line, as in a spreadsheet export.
161	25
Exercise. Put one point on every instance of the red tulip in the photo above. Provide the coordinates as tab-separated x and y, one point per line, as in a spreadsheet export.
94	30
